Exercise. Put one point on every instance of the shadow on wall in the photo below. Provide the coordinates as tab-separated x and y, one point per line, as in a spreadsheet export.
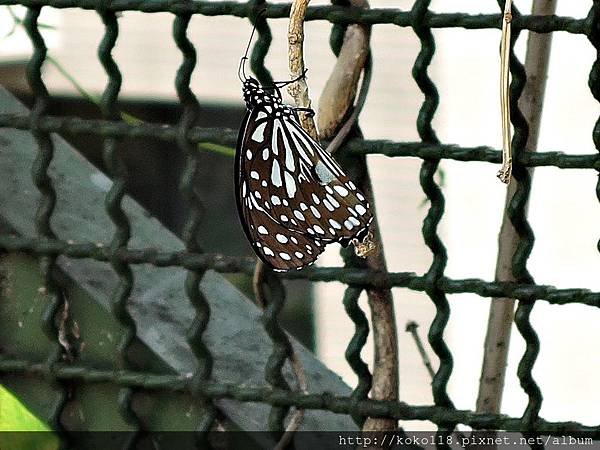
155	167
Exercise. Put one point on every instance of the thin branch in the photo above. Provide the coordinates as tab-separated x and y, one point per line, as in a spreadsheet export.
345	129
298	416
258	285
411	327
299	89
340	90
501	313
299	92
385	334
505	171
336	101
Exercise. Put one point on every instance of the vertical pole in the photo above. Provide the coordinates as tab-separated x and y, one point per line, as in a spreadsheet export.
501	313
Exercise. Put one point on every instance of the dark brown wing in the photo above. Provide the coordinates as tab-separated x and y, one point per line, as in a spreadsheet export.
327	204
288	186
299	183
278	246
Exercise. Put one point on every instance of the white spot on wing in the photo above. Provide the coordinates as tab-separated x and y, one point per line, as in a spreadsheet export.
360	209
276	174
268	251
290	185
289	156
285	256
315	212
259	132
341	190
323	173
262	230
275	200
254	174
333	201
277	131
281	238
335	224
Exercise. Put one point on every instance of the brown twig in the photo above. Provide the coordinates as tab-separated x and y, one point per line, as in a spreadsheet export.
299	89
504	174
501	314
339	97
340	90
336	100
411	327
383	320
298	416
258	284
349	124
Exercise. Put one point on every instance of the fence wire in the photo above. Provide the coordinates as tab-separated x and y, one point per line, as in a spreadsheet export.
277	392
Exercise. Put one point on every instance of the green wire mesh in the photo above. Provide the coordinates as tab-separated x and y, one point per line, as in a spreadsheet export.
434	283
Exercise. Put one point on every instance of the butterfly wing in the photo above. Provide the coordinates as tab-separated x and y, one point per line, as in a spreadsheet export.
276	245
327	203
288	186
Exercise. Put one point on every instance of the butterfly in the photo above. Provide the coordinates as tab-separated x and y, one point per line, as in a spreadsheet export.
293	198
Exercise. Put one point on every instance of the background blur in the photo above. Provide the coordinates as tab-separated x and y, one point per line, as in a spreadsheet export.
564	210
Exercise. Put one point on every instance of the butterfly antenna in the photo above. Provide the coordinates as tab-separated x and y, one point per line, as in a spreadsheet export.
242	66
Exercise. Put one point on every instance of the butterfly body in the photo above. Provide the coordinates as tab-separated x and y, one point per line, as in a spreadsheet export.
292	196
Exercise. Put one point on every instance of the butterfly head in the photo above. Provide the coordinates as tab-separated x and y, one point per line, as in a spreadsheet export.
255	94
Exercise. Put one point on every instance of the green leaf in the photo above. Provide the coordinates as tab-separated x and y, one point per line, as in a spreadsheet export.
20	429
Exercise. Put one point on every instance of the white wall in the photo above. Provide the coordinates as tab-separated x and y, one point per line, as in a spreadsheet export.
564	214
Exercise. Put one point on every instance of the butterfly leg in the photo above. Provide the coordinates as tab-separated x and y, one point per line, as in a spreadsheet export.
281	84
309	111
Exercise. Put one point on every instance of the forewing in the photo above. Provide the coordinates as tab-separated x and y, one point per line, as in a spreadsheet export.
308	189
